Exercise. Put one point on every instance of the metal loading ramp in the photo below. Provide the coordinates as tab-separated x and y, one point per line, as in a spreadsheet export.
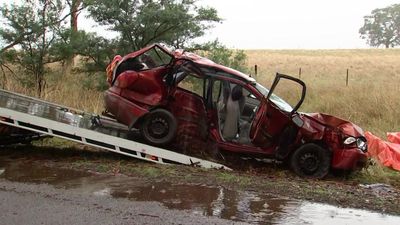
56	120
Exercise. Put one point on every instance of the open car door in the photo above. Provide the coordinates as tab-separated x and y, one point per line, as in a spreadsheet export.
274	113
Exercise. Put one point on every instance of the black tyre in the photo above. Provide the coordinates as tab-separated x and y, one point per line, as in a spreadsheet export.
311	161
159	127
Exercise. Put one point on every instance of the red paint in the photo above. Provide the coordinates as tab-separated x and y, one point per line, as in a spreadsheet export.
348	158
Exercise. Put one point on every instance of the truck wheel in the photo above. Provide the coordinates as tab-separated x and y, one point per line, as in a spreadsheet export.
311	161
159	127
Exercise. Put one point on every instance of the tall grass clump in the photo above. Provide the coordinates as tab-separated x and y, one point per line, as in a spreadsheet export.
77	89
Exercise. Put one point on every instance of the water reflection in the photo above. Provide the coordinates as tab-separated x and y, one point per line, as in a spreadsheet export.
247	206
315	213
209	201
31	172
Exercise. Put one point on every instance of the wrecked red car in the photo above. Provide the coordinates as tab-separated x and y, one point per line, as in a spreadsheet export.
180	97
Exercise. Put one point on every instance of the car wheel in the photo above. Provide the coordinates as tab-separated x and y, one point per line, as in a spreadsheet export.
311	160
159	127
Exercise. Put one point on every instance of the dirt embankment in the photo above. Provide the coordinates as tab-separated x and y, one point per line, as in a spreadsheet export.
345	191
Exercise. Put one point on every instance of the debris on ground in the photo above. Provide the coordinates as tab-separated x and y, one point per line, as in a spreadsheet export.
379	188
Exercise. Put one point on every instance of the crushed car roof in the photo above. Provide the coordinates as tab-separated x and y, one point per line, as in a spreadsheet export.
182	54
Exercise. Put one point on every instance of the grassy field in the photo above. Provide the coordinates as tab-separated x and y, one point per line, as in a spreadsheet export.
371	98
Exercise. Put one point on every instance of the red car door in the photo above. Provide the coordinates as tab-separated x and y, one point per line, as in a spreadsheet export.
274	114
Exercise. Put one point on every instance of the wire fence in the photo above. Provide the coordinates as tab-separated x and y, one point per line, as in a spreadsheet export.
347	73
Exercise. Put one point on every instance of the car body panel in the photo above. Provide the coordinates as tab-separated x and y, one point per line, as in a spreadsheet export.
146	89
319	126
345	159
333	121
268	127
191	114
126	112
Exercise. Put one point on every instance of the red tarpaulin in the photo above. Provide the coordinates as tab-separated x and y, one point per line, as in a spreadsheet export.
387	152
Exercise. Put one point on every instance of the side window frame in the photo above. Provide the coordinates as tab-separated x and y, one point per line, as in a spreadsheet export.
202	85
212	97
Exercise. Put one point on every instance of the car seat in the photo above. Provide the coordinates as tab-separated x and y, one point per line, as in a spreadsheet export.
232	115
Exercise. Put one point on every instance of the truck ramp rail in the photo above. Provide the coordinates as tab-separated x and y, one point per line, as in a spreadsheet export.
90	129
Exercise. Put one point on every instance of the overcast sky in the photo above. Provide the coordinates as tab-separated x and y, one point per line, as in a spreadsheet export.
287	24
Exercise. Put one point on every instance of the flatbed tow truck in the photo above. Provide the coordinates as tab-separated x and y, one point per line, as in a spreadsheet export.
46	118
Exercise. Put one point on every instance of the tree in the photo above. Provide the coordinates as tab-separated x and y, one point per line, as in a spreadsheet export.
142	22
220	54
382	27
4	58
32	27
74	8
34	33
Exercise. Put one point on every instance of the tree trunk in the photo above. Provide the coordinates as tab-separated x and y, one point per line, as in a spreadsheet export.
74	15
39	73
69	62
4	83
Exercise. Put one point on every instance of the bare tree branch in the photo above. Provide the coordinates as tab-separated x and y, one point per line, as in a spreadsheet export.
8	68
160	34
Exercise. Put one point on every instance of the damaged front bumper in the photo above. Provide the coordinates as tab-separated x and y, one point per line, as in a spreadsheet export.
349	159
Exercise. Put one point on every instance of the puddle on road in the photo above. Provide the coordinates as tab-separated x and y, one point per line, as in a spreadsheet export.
32	172
246	206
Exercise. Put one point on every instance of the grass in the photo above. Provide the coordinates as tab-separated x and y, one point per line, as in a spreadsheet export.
371	97
55	142
228	177
377	173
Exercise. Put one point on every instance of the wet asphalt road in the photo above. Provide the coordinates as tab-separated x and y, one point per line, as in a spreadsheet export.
32	204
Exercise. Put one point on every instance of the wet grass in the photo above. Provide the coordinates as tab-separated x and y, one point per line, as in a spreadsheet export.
55	142
233	178
376	173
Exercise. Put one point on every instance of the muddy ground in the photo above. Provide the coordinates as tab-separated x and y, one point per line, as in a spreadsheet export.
343	190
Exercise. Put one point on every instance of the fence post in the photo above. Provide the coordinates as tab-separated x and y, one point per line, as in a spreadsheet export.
255	70
347	77
300	73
